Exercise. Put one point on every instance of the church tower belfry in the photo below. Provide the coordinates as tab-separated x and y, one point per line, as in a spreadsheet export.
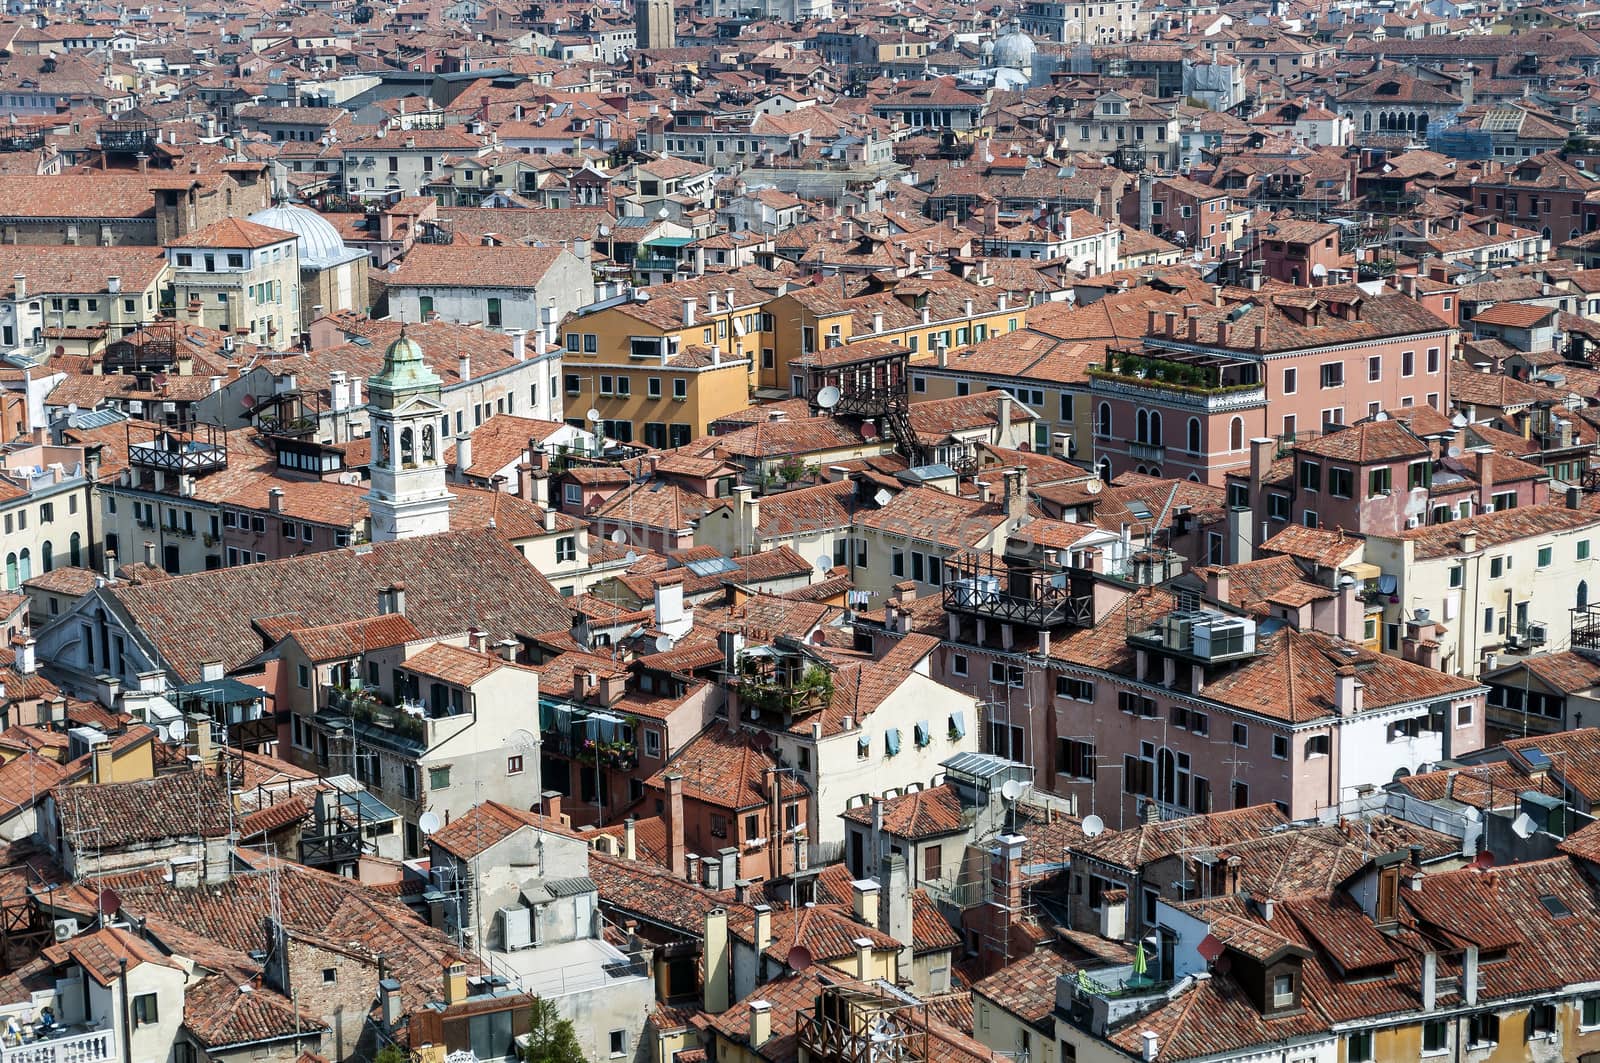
408	496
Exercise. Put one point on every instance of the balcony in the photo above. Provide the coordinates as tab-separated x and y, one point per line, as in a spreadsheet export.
782	682
1147	452
994	588
192	453
373	717
1198	381
95	1046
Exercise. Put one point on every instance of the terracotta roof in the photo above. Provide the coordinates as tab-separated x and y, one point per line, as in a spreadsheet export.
115	815
232	233
1493	529
352	638
918	815
720	767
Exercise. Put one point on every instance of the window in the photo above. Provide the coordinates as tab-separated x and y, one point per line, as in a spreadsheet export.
1380	481
1075	758
1359	1047
1278	506
1077	689
1241	736
619	1043
1435	1037
1003	674
1583	549
1464	715
1375	368
1310	476
1545	554
1433	358
932	862
330	975
1316	746
145	1011
1333	374
303	676
1591	1012
1541	1022
1340	482
1419	474
1290	381
1456	575
719	825
1497	567
680	388
1280	747
439	778
958	664
567	548
514	765
1283	991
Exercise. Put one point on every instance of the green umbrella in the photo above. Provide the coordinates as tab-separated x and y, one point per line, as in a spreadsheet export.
1139	967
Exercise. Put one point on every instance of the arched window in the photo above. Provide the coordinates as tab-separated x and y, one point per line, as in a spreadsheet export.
1105	470
1422	123
1103	422
76	550
408	448
1236	434
1194	435
1155	428
1583	594
1166	776
1141	427
427	443
47	555
25	564
11	571
383	446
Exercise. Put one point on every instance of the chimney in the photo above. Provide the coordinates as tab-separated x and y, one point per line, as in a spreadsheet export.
630	841
464	366
675	846
463	455
211	671
26	656
763	927
275	500
1485	480
455	983
894	899
1262	449
1002	417
864	901
550	801
1347	691
1152	1045
111	564
690	305
519	343
864	959
19	284
760	1022
1218	585
1469	976
150	553
1469	542
1430	980
393	1005
715	978
397	598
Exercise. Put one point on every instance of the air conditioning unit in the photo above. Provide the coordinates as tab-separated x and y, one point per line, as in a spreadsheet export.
1411	522
65	929
1537	634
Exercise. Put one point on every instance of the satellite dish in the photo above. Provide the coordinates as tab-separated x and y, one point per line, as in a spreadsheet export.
176	730
247	401
799	958
869	431
1011	789
605	231
1484	860
829	397
619	536
663	643
883	497
631	556
1459	420
1094	486
1524	826
429	822
641	296
1380	416
522	740
592	414
824	563
1093	826
109	902
1454	452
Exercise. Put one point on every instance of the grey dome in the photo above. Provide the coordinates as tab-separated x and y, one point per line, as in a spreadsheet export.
320	244
1014	50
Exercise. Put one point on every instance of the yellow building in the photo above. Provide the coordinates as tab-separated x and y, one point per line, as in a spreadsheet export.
659	367
920	313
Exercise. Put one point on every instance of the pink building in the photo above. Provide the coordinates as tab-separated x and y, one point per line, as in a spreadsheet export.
1155	704
1203	383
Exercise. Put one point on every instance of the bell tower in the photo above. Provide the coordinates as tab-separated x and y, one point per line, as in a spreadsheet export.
408	496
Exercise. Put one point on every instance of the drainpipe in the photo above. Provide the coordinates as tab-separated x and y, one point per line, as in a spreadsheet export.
127	1028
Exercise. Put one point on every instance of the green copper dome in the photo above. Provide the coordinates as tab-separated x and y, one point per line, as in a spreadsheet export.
404	367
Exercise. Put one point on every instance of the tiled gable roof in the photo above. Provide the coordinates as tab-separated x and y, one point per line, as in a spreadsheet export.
454	581
114	815
918	815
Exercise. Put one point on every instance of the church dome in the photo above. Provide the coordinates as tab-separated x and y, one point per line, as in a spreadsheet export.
1014	50
320	243
404	367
